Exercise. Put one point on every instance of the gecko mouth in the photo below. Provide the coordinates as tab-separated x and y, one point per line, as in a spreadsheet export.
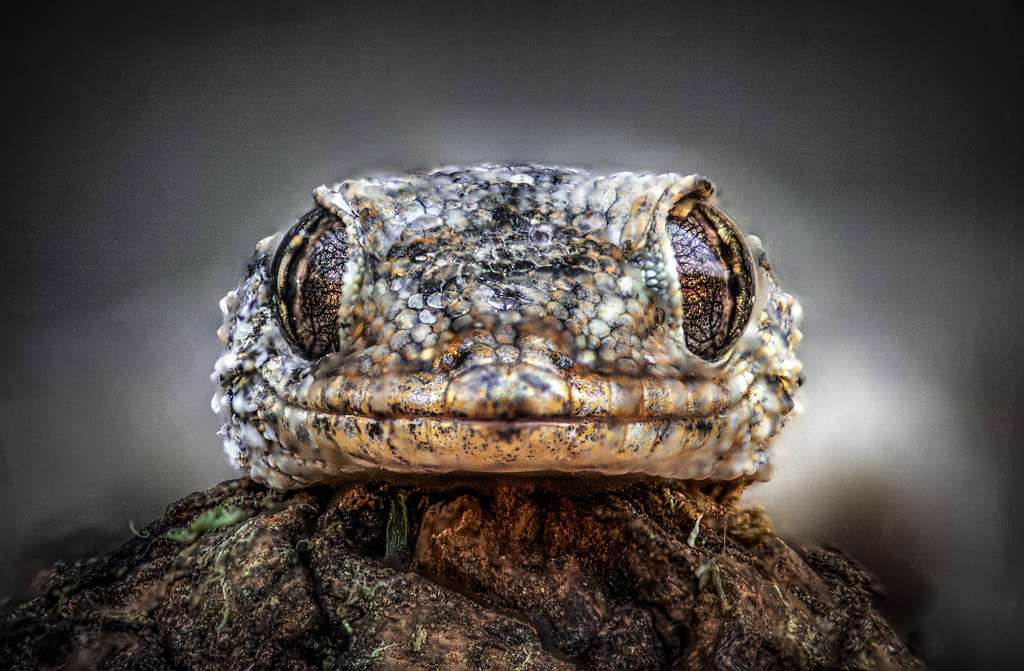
617	425
517	394
504	419
685	447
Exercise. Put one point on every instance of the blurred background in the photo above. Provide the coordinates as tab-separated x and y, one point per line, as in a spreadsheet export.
876	150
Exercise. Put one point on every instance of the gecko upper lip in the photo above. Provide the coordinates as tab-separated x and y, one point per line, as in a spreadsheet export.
520	392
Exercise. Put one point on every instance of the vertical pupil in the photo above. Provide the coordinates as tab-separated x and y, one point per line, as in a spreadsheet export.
315	312
715	277
310	269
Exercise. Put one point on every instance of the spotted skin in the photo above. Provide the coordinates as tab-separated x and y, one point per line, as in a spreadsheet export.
507	319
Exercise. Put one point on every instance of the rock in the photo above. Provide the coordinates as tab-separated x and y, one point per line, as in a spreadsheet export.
507	574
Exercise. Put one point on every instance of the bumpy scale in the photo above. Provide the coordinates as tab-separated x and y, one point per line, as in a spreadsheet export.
507	319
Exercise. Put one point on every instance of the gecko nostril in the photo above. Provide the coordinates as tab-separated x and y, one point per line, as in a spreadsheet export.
478	354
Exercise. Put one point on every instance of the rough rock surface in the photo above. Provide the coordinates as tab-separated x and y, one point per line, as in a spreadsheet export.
521	574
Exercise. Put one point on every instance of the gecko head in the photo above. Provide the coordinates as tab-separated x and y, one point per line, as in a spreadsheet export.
510	319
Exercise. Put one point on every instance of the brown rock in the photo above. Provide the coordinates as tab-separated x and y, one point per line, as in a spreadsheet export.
522	574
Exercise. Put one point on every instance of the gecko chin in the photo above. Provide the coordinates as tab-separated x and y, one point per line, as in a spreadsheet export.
508	320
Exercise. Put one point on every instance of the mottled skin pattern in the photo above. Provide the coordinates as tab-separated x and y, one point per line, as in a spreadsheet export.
508	319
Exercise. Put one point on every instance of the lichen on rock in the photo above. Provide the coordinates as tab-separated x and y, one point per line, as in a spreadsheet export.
516	574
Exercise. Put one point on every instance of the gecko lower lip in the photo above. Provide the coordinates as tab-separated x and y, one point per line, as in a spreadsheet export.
439	445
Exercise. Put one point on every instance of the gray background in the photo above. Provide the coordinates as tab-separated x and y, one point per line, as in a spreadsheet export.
875	150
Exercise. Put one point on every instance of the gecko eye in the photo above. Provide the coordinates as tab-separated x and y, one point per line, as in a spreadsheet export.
309	272
716	275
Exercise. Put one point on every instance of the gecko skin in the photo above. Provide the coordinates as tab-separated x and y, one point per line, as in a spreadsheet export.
507	319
